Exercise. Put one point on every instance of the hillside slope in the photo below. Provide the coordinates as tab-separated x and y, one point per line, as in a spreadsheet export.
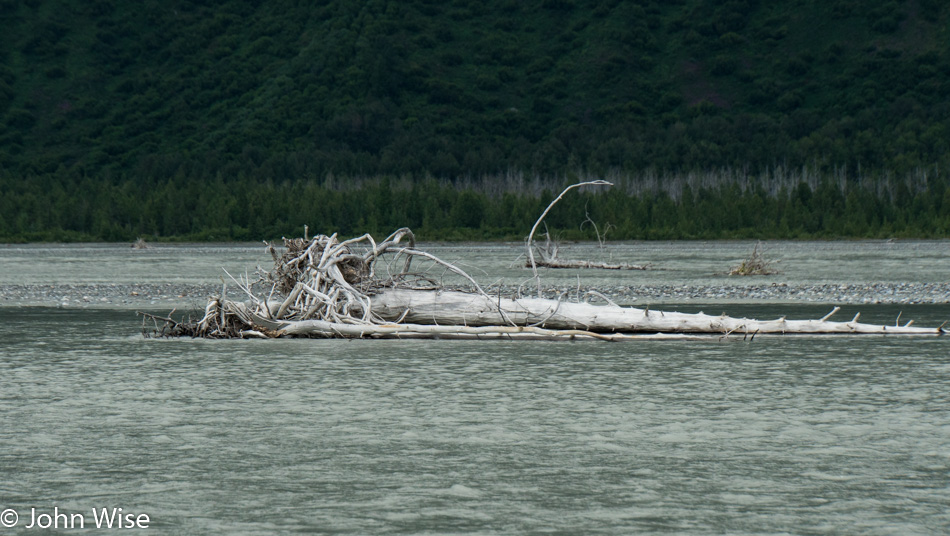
249	119
283	89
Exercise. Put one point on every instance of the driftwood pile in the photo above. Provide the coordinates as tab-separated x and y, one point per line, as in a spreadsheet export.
363	288
755	264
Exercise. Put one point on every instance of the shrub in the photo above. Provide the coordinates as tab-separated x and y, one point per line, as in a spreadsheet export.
21	118
724	65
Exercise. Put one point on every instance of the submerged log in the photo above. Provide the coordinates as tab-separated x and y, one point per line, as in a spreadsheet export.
565	263
361	288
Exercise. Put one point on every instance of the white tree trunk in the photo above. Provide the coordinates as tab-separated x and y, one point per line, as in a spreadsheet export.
448	308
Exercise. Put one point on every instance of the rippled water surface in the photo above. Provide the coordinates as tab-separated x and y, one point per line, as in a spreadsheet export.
797	435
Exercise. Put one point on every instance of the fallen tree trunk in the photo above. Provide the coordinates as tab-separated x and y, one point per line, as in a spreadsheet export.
359	288
460	308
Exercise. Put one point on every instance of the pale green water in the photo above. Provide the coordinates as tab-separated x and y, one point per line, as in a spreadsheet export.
797	435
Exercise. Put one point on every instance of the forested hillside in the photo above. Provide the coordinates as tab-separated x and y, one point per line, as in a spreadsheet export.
172	118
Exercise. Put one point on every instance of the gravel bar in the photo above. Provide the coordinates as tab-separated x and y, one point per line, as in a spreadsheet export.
189	296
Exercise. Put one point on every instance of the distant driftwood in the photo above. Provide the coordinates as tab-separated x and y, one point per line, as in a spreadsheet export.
756	264
547	257
389	289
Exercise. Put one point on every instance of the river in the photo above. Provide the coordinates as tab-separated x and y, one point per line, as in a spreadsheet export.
794	435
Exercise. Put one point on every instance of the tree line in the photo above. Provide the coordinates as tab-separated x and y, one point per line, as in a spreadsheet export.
47	208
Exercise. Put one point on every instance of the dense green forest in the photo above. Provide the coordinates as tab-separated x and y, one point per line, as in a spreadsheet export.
245	119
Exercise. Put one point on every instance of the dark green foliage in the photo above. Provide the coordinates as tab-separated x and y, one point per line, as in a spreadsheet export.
175	102
47	207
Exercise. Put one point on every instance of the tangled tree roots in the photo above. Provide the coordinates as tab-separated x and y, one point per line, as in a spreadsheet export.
361	288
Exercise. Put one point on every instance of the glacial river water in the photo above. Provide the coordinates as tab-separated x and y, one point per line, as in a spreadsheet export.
794	435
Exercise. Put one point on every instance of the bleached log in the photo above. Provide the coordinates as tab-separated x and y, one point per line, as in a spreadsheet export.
320	328
463	309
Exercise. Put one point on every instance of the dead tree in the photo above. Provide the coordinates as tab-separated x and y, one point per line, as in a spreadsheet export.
548	256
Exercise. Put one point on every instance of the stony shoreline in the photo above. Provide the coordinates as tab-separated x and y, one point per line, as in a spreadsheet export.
188	296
